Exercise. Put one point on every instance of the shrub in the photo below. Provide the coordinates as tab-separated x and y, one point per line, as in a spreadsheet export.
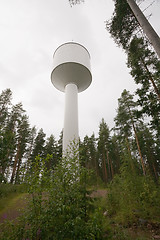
132	197
7	189
60	207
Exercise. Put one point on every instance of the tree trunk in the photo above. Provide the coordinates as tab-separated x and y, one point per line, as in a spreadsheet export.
17	172
137	141
146	26
155	173
109	169
151	79
151	161
139	150
15	165
105	169
112	172
96	168
112	169
4	166
129	152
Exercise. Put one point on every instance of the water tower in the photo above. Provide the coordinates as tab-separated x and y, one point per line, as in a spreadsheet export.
71	74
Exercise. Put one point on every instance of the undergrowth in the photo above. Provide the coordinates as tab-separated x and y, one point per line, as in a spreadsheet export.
7	189
61	207
133	198
8	192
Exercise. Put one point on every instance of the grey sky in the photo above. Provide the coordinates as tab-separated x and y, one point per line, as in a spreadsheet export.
31	30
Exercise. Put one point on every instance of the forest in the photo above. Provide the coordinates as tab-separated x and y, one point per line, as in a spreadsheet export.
122	163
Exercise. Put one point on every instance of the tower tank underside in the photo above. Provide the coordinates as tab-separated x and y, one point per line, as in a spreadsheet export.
71	73
71	65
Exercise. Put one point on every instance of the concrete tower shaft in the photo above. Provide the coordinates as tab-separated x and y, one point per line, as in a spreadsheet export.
71	74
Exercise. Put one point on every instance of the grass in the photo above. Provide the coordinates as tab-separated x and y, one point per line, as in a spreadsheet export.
10	204
11	200
115	230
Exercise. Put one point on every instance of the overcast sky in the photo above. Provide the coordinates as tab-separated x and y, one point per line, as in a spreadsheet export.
30	32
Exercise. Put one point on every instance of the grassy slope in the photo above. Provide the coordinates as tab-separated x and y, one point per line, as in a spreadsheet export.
12	206
141	232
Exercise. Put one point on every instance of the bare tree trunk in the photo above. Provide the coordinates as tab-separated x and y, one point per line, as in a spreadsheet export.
96	168
146	26
14	169
112	169
112	172
105	169
109	169
155	173
137	142
17	172
139	150
3	168
15	164
129	152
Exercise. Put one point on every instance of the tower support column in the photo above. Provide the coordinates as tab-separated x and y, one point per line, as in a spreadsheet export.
70	131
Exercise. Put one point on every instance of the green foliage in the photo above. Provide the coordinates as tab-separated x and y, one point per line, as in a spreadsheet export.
103	146
60	207
9	192
145	68
7	189
125	113
38	145
123	23
132	197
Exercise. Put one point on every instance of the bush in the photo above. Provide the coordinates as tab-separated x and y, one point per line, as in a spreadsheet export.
7	189
132	197
60	207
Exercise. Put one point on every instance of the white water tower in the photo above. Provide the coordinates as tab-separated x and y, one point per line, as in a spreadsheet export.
71	74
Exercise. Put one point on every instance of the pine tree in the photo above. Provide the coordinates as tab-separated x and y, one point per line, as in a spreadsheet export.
5	135
23	132
103	152
115	152
88	154
38	147
145	25
9	140
148	147
126	21
126	121
15	119
51	149
145	68
28	154
59	146
123	24
5	105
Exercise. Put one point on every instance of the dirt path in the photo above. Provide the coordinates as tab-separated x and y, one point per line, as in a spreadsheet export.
99	193
14	207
